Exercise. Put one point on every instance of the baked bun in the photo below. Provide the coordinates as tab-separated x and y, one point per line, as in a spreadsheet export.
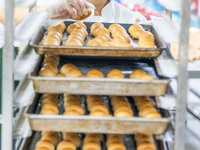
51	138
45	144
51	66
116	146
113	27
81	24
96	26
94	42
71	28
66	68
95	74
101	38
60	75
49	41
146	77
136	74
102	108
91	145
66	145
74	73
122	44
54	29
74	42
46	72
107	44
101	31
115	73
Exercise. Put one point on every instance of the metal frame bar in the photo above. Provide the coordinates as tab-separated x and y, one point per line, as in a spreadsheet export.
182	77
8	84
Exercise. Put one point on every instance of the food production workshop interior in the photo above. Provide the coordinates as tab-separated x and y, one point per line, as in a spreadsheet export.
99	75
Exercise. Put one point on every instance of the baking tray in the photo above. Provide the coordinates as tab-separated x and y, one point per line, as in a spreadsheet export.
30	143
96	124
103	86
98	51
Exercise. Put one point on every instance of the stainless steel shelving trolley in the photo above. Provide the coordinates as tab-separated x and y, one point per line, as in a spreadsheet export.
8	78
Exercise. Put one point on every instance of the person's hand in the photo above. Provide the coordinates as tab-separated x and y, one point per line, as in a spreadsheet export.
71	10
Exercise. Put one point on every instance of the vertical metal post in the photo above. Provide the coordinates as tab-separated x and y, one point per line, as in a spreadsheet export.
182	77
7	88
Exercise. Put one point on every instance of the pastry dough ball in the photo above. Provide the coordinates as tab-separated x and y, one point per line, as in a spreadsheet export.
102	108
81	24
101	38
89	12
136	74
51	138
54	29
71	28
66	68
146	77
75	37
72	112
113	27
116	146
45	144
101	31
115	73
46	72
98	25
97	113
66	145
50	42
107	44
91	145
74	73
51	66
95	73
94	42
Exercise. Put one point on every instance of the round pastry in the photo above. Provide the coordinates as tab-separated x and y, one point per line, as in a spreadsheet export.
146	77
50	42
74	139
79	109
73	73
71	28
45	144
74	42
89	12
71	112
98	24
114	27
153	115
123	44
66	68
60	75
101	31
134	27
101	38
51	107
75	37
115	73
49	101
51	138
145	34
94	42
54	29
52	67
147	110
66	145
89	139
102	108
116	146
136	74
81	24
95	71
124	108
114	140
107	44
91	145
46	72
123	114
146	145
97	113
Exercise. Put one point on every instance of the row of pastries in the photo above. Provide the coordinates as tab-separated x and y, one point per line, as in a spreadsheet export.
115	36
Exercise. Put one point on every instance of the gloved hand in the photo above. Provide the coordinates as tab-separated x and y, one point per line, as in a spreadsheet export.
64	9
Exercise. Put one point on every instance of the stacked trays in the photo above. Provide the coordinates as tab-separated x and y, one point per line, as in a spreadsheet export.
124	59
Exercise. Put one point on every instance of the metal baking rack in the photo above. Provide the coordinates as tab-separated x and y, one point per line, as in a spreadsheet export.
7	98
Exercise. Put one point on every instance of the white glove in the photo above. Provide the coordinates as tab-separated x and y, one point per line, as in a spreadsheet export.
64	9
